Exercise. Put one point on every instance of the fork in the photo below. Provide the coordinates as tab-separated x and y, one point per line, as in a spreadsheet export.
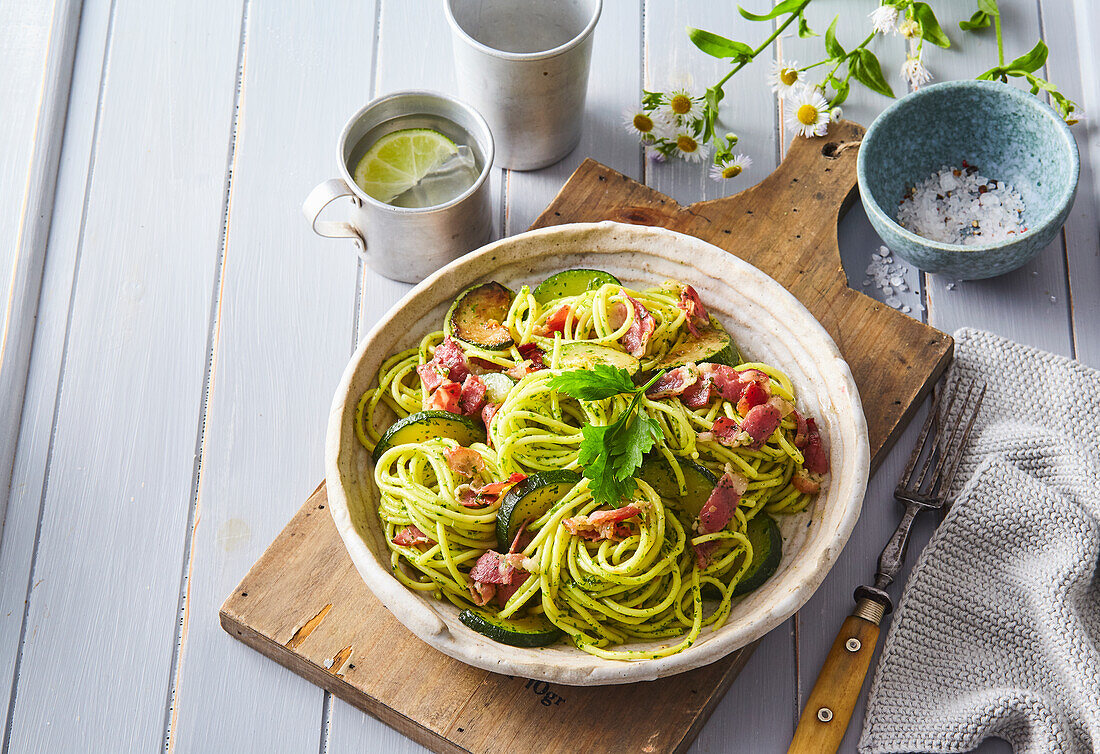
829	708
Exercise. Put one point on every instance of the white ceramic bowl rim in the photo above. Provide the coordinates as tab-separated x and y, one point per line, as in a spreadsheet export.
818	536
871	204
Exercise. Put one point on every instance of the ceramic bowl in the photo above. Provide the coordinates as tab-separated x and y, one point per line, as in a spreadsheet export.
1008	134
768	323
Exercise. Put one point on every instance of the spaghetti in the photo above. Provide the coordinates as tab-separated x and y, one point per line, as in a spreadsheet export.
662	572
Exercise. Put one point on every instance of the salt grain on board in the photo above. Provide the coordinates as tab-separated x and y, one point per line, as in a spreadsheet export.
961	206
888	277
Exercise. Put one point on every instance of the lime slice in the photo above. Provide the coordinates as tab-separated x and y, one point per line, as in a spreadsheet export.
396	162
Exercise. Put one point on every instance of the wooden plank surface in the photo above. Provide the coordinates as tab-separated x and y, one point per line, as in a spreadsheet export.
273	268
38	43
757	709
93	672
19	538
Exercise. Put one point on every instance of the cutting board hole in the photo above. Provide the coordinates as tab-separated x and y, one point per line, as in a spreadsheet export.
829	150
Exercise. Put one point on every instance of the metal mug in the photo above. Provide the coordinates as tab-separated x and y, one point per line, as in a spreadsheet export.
524	65
408	244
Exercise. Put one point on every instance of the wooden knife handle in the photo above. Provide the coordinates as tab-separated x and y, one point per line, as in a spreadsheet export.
829	708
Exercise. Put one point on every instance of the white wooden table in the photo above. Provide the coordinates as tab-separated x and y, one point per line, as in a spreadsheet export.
179	363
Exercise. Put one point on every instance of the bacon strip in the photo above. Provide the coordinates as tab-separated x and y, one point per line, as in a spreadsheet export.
472	398
698	319
532	353
804	481
448	364
445	398
673	382
726	431
464	461
603	524
488	411
555	323
637	336
817	461
746	388
802	431
717	512
496	575
763	419
479	497
411	536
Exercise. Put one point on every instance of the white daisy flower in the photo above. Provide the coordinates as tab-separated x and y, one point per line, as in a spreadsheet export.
645	125
785	76
884	19
688	147
835	114
655	156
808	112
915	73
682	107
730	168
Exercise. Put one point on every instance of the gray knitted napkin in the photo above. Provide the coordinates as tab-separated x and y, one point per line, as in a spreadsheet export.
998	631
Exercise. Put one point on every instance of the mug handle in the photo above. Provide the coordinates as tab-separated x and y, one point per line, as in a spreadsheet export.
324	194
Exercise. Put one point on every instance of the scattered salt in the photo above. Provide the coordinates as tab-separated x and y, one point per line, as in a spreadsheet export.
888	277
950	286
961	206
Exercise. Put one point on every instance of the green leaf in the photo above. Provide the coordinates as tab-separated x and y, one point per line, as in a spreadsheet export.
989	7
869	73
979	20
603	381
712	98
929	25
1032	61
631	442
993	73
804	30
719	46
841	94
787	6
831	45
595	458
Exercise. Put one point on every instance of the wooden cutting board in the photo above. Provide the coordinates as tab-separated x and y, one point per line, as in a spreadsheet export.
304	605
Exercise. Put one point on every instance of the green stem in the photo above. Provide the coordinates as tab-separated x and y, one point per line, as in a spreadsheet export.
766	43
1000	41
840	61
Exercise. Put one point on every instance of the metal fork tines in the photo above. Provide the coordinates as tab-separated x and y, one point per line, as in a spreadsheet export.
941	447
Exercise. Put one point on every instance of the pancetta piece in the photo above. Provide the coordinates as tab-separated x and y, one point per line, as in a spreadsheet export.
411	536
673	382
464	461
637	336
698	319
717	511
603	524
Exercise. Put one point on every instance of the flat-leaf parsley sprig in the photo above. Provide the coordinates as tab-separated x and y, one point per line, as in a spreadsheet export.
610	454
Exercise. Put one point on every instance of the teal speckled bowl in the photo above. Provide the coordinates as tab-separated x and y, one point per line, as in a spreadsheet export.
1008	134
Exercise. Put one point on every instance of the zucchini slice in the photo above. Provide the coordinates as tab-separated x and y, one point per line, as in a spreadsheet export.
699	481
477	316
528	500
713	345
532	631
424	425
767	551
497	385
571	283
583	355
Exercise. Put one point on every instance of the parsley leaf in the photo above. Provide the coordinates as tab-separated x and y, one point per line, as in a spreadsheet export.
611	454
603	381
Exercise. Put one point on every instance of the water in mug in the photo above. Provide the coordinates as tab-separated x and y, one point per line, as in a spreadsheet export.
446	181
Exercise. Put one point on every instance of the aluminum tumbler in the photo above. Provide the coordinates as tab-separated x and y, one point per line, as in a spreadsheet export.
523	64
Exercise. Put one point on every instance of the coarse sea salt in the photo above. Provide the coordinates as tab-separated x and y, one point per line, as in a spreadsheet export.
888	276
962	206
